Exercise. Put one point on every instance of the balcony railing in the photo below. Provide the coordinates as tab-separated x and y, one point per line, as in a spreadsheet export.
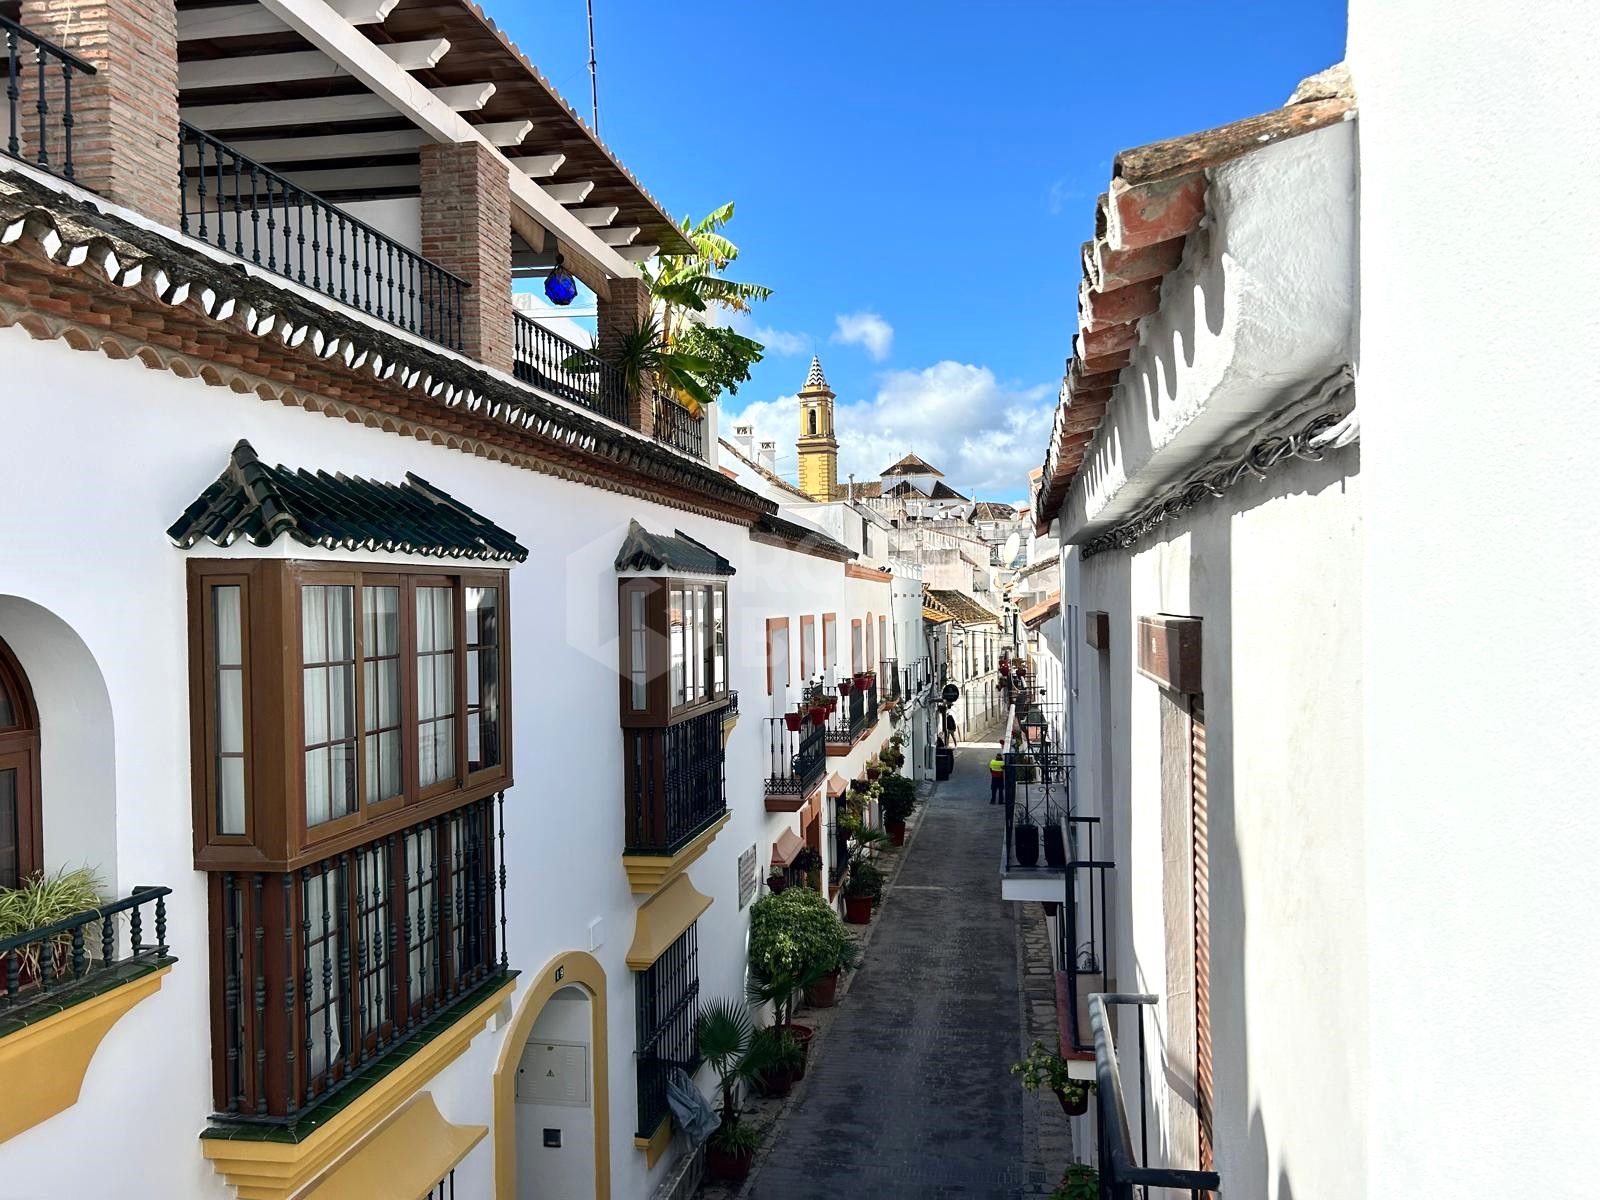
1038	795
1083	944
562	368
889	678
796	759
252	212
849	719
675	786
39	120
333	973
53	967
679	428
1124	1176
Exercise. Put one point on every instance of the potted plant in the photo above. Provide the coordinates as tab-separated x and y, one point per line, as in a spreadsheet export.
874	769
819	712
822	981
844	686
41	901
809	863
1055	845
731	1150
782	1060
777	881
899	798
1080	1182
1025	840
862	890
793	720
794	936
1044	1069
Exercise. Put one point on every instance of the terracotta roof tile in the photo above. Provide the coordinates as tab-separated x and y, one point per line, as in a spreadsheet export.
1043	611
962	607
911	465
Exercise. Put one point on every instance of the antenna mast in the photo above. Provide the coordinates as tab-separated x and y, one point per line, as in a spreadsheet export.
594	86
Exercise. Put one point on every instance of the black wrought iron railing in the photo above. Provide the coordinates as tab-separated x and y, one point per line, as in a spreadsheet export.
850	718
250	211
796	758
1038	796
839	859
674	782
872	702
667	1002
39	117
1124	1175
1083	943
551	363
889	678
333	973
49	968
679	428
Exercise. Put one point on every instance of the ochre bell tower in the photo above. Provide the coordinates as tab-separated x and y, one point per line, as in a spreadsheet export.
819	452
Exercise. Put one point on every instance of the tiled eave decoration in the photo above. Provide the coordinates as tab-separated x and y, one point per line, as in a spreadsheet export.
1156	199
72	272
774	530
260	503
645	551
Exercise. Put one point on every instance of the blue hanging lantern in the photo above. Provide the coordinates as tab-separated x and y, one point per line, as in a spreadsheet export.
559	286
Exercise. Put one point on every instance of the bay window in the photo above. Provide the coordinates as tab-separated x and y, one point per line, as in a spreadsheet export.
674	648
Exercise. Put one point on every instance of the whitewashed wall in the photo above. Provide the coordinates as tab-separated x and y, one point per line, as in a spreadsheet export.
1479	324
102	457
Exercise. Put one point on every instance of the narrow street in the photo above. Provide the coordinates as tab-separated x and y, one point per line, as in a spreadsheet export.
911	1093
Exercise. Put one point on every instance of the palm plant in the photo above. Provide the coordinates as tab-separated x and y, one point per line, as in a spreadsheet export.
726	1038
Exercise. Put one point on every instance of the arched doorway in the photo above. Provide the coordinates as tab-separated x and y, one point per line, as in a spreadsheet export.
552	1076
21	819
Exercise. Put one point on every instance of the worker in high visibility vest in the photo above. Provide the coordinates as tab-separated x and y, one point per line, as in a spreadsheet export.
997	779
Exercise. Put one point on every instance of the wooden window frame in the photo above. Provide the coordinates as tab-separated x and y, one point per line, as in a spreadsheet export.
858	646
19	750
830	641
808	646
277	834
660	709
773	625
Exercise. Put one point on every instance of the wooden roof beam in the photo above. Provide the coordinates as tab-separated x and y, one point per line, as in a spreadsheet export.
203	24
360	107
333	145
300	64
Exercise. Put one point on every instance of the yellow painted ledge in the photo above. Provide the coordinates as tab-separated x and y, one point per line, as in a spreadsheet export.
662	919
412	1151
728	724
43	1064
280	1170
656	1144
649	873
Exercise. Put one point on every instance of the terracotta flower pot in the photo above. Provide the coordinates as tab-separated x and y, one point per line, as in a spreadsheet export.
858	909
775	1081
825	992
873	773
897	832
730	1168
792	720
802	1034
844	687
819	713
776	882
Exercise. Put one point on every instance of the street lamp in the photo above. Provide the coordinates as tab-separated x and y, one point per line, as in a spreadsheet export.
1033	728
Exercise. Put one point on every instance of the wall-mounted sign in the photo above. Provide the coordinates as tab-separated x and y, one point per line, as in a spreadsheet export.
747	876
951	693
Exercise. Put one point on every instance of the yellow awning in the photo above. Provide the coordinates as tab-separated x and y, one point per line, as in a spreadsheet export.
407	1156
661	920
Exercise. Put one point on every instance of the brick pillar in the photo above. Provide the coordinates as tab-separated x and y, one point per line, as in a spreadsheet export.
466	229
628	308
125	131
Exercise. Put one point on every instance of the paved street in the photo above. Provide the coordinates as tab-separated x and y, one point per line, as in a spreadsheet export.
911	1093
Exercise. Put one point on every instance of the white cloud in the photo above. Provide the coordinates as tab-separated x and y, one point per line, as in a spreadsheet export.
867	330
983	434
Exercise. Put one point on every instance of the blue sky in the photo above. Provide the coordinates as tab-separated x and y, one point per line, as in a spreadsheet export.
914	178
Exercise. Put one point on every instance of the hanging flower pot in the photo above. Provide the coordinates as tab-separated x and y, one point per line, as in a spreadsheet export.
777	881
873	770
1075	1102
819	713
792	721
833	705
862	681
844	687
858	785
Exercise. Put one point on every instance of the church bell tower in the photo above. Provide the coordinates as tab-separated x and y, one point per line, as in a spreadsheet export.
818	451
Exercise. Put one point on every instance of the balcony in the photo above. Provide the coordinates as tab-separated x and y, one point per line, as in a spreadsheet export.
675	798
39	79
1038	798
797	760
250	211
848	724
334	975
1123	1174
889	675
1083	944
677	427
62	987
548	361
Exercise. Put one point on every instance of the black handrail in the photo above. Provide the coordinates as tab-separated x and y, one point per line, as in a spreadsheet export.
549	361
1120	1173
797	759
39	962
1084	909
18	145
679	428
1049	769
234	203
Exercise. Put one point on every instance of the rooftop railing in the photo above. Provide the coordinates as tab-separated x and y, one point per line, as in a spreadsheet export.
551	363
39	120
1124	1175
250	211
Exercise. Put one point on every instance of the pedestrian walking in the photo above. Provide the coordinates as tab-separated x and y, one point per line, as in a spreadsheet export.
997	778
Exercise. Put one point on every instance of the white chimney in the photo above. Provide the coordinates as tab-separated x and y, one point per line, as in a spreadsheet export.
744	439
767	457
